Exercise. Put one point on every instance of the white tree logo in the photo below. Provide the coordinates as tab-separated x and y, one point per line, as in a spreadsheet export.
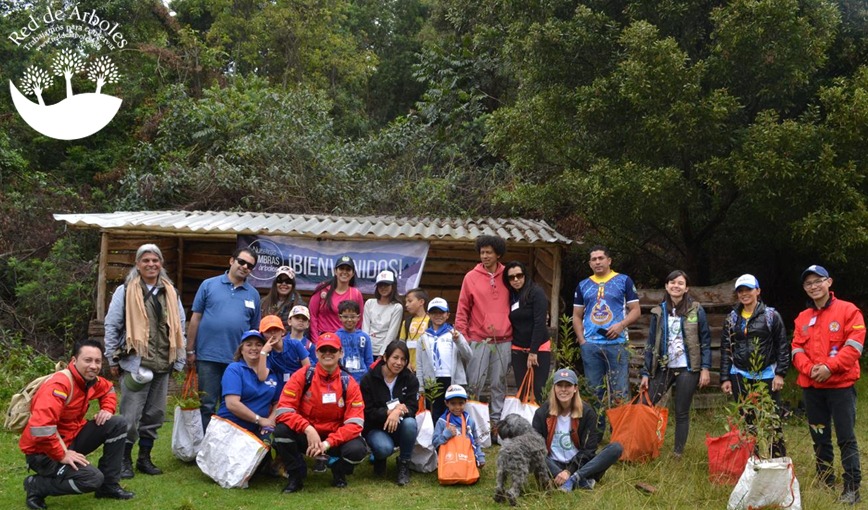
66	64
102	71
34	81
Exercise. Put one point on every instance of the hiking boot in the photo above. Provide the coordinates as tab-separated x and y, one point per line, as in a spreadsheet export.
113	492
294	484
33	499
380	467
850	497
403	472
144	464
339	477
127	462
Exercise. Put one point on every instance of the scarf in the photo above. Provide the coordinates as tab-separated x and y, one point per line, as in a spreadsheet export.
137	324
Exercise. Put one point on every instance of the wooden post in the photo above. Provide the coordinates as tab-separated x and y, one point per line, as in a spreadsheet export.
555	298
101	276
179	275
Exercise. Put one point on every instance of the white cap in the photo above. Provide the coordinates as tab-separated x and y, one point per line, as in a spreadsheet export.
438	303
386	277
455	391
747	280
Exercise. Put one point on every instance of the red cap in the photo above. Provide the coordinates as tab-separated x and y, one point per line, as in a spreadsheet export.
330	340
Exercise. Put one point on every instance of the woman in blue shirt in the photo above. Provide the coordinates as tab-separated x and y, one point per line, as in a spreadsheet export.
247	401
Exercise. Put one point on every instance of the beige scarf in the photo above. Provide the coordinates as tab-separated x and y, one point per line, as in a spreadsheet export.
137	320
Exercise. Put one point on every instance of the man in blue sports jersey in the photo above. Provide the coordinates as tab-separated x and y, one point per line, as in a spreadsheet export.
603	306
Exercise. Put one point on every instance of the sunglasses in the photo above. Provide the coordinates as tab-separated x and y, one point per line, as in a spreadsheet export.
516	277
327	350
245	263
286	281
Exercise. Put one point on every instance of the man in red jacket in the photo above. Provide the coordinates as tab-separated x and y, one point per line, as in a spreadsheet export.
482	316
827	343
322	418
57	438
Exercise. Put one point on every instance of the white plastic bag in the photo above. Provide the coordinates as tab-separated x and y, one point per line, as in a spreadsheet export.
187	434
523	402
424	456
767	483
229	453
478	412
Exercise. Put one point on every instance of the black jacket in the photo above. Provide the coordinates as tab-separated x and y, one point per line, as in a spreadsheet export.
736	346
529	328
375	393
583	433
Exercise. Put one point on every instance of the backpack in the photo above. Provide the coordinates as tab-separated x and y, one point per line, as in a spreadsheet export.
19	412
308	378
769	313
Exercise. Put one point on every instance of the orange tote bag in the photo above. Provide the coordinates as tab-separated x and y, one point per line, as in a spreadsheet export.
639	428
456	462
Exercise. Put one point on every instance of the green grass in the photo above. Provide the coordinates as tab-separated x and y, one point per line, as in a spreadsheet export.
680	483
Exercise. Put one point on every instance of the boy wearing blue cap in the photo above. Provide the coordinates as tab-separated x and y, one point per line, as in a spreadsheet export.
449	424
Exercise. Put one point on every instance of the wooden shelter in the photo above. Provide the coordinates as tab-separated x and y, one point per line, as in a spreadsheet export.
197	245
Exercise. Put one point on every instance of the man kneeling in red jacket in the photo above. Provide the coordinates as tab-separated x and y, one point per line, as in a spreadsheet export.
57	438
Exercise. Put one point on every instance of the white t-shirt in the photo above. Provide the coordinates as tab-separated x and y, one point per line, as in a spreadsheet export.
381	323
677	354
563	449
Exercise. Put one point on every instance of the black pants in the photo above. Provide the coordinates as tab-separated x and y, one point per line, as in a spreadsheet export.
739	390
438	405
825	407
540	372
685	386
55	479
292	445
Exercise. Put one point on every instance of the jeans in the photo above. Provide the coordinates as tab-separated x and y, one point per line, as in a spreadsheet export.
210	388
382	443
607	370
685	386
540	372
837	406
594	468
739	389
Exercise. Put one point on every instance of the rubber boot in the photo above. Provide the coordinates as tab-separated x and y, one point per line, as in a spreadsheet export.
144	464
127	463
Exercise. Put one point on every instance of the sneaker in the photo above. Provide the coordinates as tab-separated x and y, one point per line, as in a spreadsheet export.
568	485
586	484
320	464
850	497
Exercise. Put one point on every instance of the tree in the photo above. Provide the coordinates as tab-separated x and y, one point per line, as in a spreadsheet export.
66	64
35	80
102	71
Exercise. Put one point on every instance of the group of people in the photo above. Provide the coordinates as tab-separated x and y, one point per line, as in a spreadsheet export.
341	380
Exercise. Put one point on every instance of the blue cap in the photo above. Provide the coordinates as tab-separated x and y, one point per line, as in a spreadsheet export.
815	269
251	333
345	260
455	391
565	374
747	280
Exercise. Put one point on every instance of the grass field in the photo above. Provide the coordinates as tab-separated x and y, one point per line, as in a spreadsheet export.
680	483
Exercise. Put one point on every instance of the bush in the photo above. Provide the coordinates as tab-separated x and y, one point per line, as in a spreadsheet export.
20	365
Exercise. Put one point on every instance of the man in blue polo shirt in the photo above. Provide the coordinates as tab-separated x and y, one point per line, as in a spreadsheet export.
603	306
224	308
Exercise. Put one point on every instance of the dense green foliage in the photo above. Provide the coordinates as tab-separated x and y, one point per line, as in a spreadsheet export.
721	137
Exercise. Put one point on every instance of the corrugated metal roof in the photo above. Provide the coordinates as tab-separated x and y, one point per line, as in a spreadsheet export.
516	230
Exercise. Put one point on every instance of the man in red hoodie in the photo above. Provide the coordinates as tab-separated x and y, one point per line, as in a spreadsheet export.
482	316
57	438
827	342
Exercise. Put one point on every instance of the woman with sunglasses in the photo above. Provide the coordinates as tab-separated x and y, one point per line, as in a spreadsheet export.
326	297
283	296
531	348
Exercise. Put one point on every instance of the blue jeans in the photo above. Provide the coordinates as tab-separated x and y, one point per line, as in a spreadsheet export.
210	388
607	370
594	468
382	443
834	407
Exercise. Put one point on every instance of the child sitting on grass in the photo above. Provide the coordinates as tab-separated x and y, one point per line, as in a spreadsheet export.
449	425
358	352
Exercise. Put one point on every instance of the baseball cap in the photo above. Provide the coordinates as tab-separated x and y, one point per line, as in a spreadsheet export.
747	280
300	310
438	303
345	260
565	374
385	277
285	270
252	333
455	391
328	340
815	269
270	321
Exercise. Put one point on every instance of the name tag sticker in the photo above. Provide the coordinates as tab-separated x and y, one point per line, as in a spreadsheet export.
329	398
812	321
249	303
392	404
514	306
353	363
